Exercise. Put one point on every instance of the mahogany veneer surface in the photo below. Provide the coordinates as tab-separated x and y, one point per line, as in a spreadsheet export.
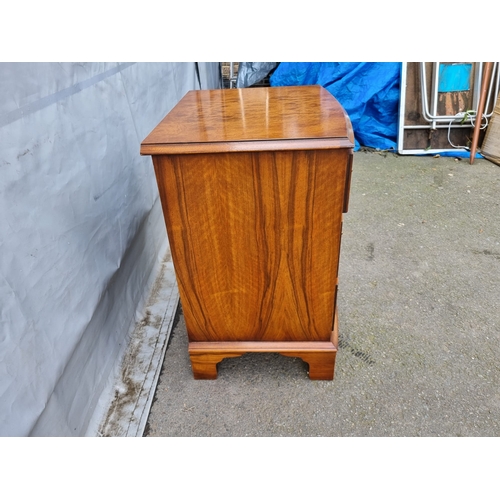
253	183
265	118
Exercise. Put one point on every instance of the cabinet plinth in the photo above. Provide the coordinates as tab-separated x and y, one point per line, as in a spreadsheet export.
253	184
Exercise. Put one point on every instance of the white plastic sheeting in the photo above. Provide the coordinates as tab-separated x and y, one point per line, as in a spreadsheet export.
80	229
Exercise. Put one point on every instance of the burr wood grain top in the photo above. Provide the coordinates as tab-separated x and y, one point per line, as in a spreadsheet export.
253	119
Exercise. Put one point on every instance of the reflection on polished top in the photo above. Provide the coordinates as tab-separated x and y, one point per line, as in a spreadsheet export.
259	119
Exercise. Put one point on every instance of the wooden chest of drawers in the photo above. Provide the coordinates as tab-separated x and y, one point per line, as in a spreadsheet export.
253	184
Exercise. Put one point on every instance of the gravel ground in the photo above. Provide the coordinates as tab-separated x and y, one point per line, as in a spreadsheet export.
419	322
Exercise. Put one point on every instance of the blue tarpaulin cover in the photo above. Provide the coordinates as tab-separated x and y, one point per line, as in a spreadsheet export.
369	93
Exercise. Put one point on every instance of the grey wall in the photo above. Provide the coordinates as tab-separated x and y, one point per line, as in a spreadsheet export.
80	228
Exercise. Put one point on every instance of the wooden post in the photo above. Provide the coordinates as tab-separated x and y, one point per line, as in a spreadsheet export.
480	109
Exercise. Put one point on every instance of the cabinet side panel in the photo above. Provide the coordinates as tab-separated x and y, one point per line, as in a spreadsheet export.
310	189
255	240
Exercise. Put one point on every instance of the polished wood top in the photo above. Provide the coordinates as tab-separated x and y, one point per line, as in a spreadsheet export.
252	119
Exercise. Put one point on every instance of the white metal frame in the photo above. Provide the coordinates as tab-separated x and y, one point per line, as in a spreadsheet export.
441	121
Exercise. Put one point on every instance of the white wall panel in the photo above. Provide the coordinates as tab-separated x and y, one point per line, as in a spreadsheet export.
80	229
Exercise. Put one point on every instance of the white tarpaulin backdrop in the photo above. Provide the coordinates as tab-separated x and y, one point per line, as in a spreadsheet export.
80	228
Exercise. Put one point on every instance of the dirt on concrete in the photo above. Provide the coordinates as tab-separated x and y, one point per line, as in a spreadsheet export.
419	322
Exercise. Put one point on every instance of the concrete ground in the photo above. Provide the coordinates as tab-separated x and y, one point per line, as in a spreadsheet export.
419	322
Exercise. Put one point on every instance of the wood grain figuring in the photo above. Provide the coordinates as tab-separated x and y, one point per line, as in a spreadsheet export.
320	356
253	184
255	242
271	118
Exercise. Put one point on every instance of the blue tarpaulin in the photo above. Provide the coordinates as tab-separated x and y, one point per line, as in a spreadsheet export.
369	93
